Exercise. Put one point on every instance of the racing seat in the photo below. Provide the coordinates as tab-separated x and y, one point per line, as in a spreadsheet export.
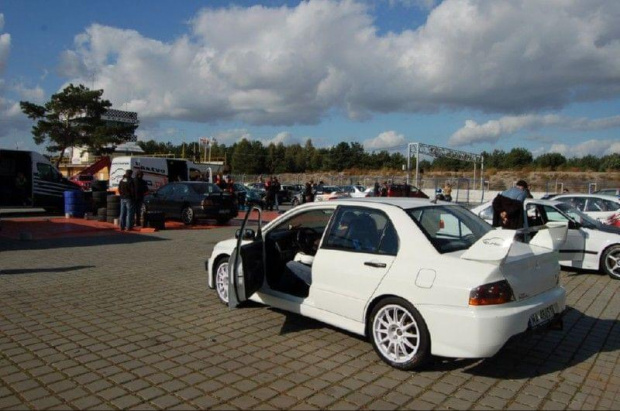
362	234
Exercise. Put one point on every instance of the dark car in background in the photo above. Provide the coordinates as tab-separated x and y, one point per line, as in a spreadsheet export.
405	190
249	196
190	201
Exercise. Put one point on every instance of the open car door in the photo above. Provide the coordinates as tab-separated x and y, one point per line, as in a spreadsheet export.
248	265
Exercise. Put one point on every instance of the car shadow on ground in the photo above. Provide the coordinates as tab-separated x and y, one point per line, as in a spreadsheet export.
45	270
526	356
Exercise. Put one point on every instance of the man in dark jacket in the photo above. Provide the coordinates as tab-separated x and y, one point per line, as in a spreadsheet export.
142	189
127	192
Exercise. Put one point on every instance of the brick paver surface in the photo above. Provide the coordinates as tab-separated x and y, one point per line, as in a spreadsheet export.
127	322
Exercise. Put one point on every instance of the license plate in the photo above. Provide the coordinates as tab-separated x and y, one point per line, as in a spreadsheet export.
224	211
541	317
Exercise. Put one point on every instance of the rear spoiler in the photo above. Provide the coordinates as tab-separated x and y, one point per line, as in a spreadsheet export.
496	245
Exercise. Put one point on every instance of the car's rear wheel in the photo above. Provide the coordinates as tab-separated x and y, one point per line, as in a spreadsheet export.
610	262
188	216
220	277
399	334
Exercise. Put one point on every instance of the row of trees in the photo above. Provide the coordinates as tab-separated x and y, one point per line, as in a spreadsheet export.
252	157
73	118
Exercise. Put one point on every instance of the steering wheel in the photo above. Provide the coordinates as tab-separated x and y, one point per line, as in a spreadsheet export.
306	238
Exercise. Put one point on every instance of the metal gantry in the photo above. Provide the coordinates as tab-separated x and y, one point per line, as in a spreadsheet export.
436	152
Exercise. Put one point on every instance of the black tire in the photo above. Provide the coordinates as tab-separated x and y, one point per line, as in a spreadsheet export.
113	199
110	219
610	262
295	202
188	216
389	338
103	211
221	283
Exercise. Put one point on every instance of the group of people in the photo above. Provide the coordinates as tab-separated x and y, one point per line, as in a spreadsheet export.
272	187
131	191
310	190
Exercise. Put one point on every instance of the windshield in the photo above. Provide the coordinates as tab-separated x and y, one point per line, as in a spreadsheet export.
449	228
577	215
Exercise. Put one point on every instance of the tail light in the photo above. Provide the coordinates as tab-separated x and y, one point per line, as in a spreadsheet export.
491	294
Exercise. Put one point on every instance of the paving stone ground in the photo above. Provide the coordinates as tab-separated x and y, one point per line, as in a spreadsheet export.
125	321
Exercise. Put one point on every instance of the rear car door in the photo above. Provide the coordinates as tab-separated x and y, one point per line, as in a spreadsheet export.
356	253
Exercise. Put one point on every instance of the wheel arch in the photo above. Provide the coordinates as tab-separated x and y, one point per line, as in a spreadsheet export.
376	300
601	262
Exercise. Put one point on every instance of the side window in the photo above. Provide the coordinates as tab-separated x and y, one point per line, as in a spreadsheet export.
317	220
610	205
554	215
362	230
47	172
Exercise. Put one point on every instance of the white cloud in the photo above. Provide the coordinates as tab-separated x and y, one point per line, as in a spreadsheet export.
597	148
385	140
493	130
285	66
5	45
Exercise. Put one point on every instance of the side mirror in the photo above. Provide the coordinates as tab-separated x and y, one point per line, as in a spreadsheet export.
573	225
248	234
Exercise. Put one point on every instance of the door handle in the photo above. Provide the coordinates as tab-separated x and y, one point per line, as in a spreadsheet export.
373	264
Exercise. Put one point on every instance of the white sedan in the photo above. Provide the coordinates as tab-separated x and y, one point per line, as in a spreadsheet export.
589	243
415	277
604	208
356	191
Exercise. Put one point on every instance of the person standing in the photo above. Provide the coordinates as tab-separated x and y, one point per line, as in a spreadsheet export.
308	194
141	189
447	192
508	206
276	190
127	192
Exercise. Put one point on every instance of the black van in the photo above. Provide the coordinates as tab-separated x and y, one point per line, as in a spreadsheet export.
29	179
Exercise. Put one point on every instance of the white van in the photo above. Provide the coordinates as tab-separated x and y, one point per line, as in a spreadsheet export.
157	171
44	184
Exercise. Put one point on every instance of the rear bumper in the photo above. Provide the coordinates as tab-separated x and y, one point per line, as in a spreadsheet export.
480	332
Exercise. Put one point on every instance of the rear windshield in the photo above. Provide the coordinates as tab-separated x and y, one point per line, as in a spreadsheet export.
205	188
449	228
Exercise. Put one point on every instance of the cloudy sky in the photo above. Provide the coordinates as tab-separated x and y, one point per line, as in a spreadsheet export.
465	74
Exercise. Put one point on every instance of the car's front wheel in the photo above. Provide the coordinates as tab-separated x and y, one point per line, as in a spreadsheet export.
221	279
295	202
610	262
188	216
399	334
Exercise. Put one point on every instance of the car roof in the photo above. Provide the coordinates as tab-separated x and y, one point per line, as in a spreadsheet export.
602	196
401	202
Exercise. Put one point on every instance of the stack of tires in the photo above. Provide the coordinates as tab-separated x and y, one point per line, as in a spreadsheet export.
113	209
75	205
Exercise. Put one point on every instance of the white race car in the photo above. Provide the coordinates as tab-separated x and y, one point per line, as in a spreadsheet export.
604	208
589	244
417	278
